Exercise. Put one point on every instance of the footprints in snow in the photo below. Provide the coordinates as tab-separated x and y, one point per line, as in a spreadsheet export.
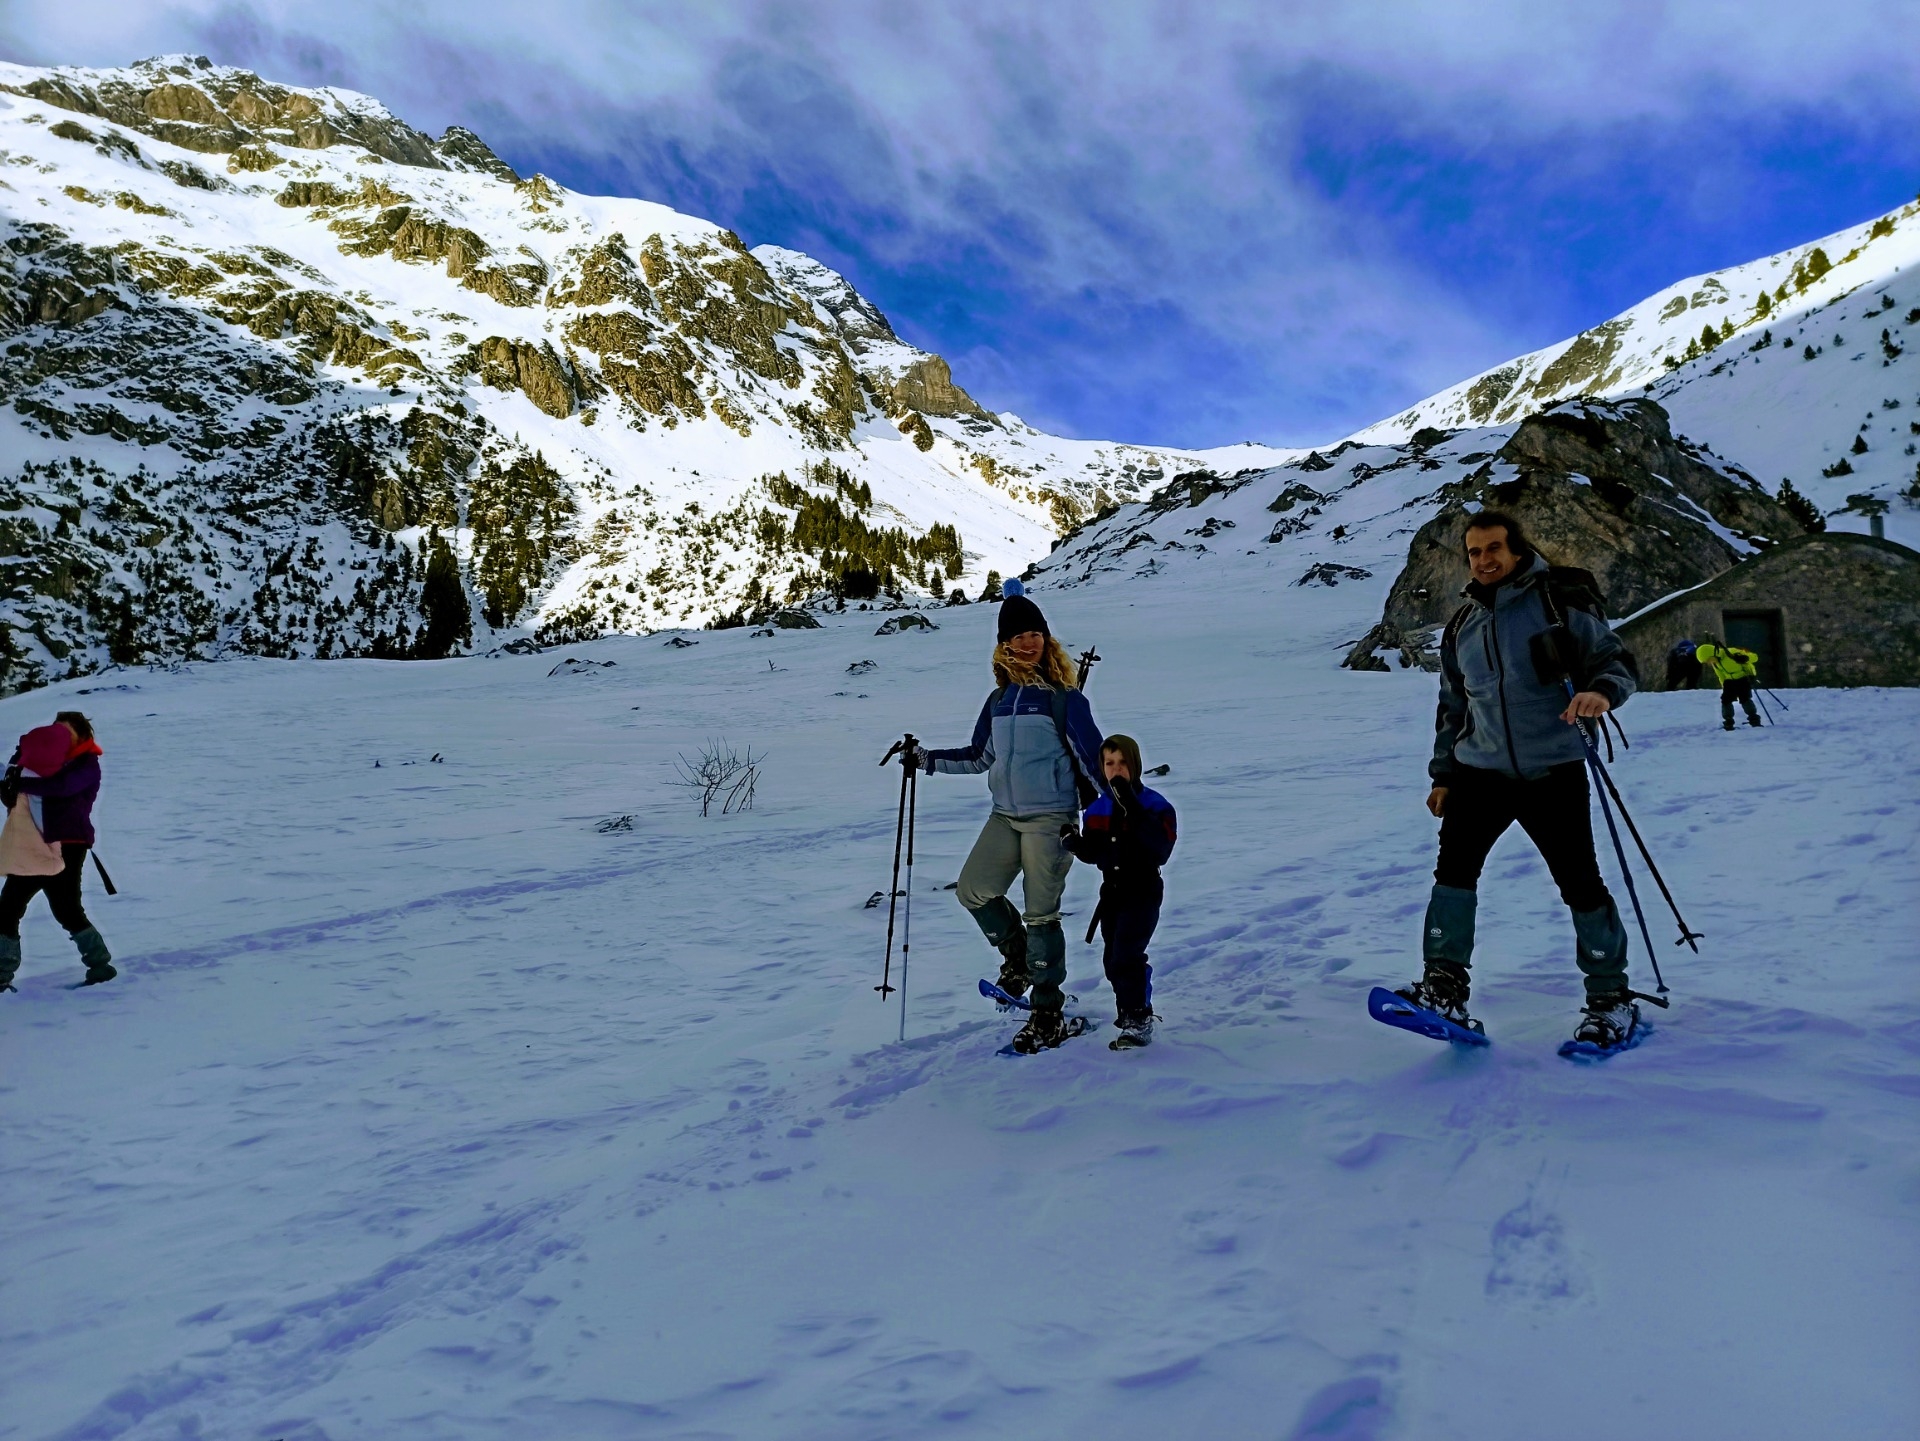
1534	1265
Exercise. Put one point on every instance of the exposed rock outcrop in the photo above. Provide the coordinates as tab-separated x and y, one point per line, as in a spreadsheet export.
533	369
216	109
927	386
1602	485
463	150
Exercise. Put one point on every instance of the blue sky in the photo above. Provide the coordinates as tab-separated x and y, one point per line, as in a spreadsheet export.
1156	222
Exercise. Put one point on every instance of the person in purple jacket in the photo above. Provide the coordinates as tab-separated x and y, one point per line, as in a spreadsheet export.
65	789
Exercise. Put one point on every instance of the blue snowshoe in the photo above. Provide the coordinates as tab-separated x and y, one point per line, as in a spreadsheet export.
1435	1005
1394	1009
1003	998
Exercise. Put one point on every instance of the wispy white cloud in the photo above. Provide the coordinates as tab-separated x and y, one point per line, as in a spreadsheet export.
1080	196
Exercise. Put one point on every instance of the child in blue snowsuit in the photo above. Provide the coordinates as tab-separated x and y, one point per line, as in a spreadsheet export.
1129	834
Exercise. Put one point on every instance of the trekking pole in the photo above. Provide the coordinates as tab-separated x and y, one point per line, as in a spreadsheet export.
1763	708
1687	934
1626	874
1089	658
1777	701
903	749
906	935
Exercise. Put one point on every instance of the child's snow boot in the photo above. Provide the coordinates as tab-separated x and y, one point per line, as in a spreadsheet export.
1135	1028
9	961
93	950
1726	725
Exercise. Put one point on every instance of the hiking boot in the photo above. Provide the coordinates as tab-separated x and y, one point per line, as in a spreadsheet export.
1752	720
1046	1029
93	950
1013	965
1135	1028
1726	725
9	961
1443	990
1000	923
1609	1020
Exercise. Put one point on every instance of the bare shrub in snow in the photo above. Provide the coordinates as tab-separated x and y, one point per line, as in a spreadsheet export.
720	773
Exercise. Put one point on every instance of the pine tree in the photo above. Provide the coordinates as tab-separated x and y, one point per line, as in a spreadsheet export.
447	618
1803	510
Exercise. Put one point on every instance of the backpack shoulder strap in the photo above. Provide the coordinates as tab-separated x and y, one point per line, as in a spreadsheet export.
1084	783
1571	585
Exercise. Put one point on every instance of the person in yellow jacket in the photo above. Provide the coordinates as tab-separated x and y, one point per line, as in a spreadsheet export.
1736	670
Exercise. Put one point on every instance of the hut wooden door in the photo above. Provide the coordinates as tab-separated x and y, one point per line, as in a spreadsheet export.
1761	632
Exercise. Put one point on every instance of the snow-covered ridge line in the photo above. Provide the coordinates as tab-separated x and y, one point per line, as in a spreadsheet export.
1684	324
583	400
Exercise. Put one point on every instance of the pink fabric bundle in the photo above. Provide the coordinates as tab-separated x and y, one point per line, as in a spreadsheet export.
44	749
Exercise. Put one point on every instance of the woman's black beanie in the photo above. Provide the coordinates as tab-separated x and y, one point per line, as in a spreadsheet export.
1019	615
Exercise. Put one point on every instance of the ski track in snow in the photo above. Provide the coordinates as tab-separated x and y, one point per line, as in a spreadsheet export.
425	1109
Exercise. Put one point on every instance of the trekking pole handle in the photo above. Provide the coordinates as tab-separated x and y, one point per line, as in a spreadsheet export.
902	748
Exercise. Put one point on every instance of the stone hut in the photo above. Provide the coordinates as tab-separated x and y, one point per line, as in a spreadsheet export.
1833	609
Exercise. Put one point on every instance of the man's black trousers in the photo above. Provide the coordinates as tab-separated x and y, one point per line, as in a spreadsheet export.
1552	810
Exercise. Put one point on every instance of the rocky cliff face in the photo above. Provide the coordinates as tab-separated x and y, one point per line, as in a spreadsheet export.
282	374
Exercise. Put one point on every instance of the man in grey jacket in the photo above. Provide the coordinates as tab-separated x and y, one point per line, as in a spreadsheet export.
1507	748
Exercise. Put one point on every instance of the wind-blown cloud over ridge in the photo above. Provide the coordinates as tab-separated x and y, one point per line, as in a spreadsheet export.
1157	221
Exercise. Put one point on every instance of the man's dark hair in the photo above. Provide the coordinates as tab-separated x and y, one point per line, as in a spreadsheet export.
82	727
1517	541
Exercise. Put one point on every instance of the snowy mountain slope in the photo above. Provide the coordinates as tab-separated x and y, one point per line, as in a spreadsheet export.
1820	388
224	289
1671	329
425	1107
1777	365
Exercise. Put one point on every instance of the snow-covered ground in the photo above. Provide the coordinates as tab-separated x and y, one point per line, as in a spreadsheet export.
424	1108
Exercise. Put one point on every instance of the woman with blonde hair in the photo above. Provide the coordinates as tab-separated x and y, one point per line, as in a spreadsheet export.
1037	742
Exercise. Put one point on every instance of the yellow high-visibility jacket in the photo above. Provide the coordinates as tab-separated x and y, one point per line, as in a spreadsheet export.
1728	662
